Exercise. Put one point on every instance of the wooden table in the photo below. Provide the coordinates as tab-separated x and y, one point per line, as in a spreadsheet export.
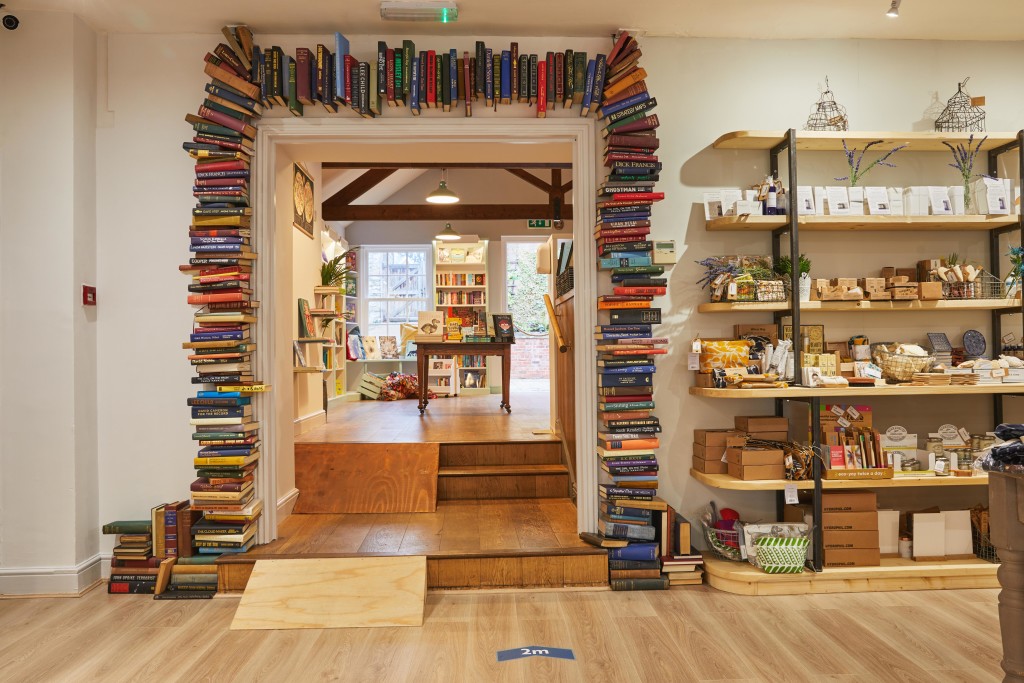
1006	509
426	350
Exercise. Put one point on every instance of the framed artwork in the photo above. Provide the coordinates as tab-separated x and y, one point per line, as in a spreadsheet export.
303	204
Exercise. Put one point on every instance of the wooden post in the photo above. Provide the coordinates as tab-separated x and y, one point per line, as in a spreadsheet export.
1006	503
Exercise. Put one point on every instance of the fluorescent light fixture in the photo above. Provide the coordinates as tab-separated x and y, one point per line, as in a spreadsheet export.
442	195
894	9
440	11
447	235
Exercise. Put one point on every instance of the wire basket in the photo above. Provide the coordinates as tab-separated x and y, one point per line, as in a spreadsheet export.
983	548
898	366
985	286
771	290
723	542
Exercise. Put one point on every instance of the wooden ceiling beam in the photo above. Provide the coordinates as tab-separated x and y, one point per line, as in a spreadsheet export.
532	179
358	187
444	164
442	212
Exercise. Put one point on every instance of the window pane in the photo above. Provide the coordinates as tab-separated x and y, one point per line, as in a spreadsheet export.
377	331
376	286
375	262
377	312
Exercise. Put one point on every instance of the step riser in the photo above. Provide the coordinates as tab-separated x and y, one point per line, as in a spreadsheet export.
543	453
509	486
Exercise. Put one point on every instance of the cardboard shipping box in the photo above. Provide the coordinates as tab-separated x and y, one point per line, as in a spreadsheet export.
757	472
849	521
713	437
850	539
770	436
761	423
801	513
852	557
710	466
849	501
708	452
754	456
769	331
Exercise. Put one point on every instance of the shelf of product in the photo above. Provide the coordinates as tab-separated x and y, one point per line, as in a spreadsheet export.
748	223
837	392
915	306
729	483
828	141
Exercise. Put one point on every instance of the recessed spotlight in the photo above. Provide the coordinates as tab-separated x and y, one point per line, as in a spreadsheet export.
894	9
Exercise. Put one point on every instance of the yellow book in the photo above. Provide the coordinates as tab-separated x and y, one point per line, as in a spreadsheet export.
624	83
236	460
607	305
245	389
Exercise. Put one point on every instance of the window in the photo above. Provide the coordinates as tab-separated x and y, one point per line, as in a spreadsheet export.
395	287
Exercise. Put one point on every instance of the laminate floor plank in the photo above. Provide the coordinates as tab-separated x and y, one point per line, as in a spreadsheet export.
386	534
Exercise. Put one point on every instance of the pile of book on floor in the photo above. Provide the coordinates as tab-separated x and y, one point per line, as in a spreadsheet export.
132	569
221	343
665	561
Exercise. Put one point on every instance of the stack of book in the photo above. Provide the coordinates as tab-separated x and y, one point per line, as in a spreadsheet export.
133	567
627	345
679	563
221	343
635	567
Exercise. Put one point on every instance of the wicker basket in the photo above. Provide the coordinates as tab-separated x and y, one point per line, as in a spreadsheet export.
777	548
723	542
900	367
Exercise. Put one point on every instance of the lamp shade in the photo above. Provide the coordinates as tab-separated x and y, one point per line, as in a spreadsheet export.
442	195
447	235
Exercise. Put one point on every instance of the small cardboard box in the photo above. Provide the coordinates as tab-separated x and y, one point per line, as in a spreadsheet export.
802	513
757	472
770	436
875	295
761	423
852	557
888	272
896	281
844	282
930	291
909	273
904	293
714	466
754	456
705	381
708	452
713	437
849	521
849	501
925	268
736	440
850	539
872	284
769	331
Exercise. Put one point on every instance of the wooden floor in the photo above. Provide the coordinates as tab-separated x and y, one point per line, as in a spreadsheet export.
447	420
456	528
681	635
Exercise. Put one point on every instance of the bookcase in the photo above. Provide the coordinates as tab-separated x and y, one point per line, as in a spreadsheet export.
442	377
461	282
788	228
329	307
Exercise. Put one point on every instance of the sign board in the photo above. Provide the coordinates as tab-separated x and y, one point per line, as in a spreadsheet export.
538	223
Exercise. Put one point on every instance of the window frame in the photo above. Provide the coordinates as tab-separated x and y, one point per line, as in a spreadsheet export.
364	274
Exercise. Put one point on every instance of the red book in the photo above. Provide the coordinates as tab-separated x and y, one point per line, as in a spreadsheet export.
222	63
467	81
636	352
542	90
199	299
233	165
389	61
629	234
350	64
221	193
220	328
559	77
431	79
206	279
635	89
623	225
236	146
303	59
634	141
227	121
654	291
621	239
225	270
647	123
625	196
220	182
617	48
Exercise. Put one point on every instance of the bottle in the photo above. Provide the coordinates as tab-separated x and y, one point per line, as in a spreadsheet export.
771	206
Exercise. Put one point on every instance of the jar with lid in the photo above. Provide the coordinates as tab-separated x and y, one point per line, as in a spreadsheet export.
941	465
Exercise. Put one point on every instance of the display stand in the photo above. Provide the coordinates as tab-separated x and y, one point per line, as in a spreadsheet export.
330	305
460	285
790	225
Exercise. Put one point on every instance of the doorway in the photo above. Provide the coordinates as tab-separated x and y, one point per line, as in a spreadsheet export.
523	293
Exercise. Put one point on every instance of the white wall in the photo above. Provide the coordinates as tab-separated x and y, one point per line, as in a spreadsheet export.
48	461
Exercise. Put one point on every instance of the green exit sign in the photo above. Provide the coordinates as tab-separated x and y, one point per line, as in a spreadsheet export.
538	223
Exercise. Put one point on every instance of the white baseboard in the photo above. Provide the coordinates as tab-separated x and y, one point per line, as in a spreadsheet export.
304	424
286	503
71	581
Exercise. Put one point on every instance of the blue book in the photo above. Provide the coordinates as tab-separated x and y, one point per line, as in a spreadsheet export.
634	551
217	247
414	85
640	380
506	77
341	48
218	394
626	478
626	254
488	76
606	263
641	215
588	88
263	75
625	104
453	76
231	335
628	370
216	451
232	95
600	71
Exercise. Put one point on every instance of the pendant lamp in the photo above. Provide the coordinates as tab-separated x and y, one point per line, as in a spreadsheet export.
442	195
447	235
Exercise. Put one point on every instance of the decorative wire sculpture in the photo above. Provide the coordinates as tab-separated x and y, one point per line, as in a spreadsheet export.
960	115
827	113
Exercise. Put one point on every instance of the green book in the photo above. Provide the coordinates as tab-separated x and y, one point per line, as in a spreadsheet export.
131	526
399	74
579	76
216	106
197	559
294	106
570	78
408	52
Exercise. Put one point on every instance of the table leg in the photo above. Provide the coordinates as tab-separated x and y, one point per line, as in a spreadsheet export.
1006	502
506	378
421	372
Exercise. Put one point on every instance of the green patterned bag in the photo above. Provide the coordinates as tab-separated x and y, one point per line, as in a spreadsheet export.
780	555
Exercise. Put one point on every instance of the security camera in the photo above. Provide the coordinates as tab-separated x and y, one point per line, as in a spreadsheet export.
9	21
557	224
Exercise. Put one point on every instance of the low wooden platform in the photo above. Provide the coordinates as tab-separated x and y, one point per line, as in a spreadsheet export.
895	574
468	544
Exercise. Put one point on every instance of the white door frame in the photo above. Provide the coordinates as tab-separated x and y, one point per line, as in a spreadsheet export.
275	409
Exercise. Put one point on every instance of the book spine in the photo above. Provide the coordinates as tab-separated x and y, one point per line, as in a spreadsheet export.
639	584
467	82
453	77
132	587
542	90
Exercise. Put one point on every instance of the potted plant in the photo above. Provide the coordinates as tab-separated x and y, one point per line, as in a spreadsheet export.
784	267
337	272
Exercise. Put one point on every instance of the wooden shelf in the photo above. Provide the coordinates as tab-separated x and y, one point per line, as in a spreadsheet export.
460	286
726	482
820	141
322	289
383	360
864	223
894	574
304	371
887	390
874	306
314	340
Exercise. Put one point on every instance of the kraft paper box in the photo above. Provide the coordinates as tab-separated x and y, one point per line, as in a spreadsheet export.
754	456
761	423
930	291
849	501
852	557
801	513
770	436
757	472
713	437
703	452
769	331
850	539
710	466
871	284
849	521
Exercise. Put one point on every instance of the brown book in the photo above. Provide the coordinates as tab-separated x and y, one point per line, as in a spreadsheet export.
634	573
186	518
224	76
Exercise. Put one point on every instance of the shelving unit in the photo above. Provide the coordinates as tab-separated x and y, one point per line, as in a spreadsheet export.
330	304
915	575
461	274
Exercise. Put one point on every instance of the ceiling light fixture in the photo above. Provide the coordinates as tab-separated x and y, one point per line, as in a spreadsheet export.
894	9
440	11
442	195
447	235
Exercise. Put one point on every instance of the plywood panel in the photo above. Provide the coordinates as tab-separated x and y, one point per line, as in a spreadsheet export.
334	593
361	477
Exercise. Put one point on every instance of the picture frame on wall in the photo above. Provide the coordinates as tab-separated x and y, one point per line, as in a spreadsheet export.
303	201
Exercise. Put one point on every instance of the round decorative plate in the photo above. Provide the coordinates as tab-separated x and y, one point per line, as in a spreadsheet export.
974	343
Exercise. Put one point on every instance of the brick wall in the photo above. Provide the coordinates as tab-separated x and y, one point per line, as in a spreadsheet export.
530	359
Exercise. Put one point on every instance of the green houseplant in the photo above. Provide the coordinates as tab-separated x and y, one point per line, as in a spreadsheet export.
337	272
784	267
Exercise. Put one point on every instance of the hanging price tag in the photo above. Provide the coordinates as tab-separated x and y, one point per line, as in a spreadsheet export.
791	495
852	413
837	410
693	361
843	422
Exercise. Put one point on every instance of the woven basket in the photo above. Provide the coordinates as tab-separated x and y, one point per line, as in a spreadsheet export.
901	367
780	555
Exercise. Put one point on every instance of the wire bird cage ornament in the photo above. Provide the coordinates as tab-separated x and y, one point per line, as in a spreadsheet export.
961	114
828	114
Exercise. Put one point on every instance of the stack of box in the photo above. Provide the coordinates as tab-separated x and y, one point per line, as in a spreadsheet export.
764	427
749	463
709	449
849	523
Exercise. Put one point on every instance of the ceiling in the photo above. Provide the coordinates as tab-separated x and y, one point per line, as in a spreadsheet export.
800	19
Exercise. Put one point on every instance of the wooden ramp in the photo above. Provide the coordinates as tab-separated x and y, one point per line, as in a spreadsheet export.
334	593
366	477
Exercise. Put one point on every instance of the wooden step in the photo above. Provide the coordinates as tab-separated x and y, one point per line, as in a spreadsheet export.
506	453
469	482
491	470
